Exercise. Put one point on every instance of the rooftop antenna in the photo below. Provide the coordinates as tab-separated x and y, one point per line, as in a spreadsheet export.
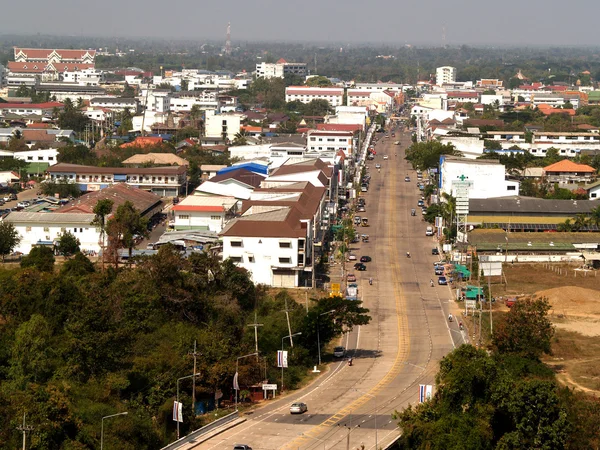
316	64
228	40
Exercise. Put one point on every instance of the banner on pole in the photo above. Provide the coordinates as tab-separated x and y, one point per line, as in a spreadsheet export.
282	356
236	386
425	392
178	411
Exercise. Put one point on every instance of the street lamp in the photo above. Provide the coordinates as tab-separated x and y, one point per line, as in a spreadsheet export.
318	335
178	380
236	385
102	428
349	428
376	411
290	336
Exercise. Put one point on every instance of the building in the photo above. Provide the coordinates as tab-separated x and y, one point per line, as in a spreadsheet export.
48	156
85	77
306	94
567	172
32	65
280	69
223	125
24	109
42	228
487	178
330	141
445	75
593	190
164	181
157	159
116	103
197	212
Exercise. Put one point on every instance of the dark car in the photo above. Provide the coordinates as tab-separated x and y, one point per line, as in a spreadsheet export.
364	259
241	447
420	203
442	281
435	251
439	271
360	267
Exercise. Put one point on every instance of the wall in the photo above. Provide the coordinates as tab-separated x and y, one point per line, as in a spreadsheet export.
31	234
186	220
488	179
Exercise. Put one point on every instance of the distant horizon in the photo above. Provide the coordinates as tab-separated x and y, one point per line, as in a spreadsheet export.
325	44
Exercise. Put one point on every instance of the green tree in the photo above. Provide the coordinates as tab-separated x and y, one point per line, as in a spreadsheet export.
9	238
77	266
68	244
318	81
426	155
123	228
31	353
319	107
525	330
40	257
101	210
490	144
185	85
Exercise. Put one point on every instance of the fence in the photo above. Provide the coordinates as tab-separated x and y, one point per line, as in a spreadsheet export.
199	432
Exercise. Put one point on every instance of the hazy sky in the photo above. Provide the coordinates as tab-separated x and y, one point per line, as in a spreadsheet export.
508	22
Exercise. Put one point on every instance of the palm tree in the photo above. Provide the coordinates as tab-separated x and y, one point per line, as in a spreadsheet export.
102	209
594	216
240	138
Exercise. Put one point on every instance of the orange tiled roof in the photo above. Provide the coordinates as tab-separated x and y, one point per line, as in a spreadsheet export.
569	166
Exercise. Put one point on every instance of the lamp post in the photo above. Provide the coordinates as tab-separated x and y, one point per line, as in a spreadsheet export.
318	330
316	439
376	411
237	361
178	380
102	427
349	428
290	338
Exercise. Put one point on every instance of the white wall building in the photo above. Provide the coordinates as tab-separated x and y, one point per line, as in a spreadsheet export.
487	177
330	141
48	155
85	77
116	103
197	212
217	125
280	69
444	75
306	94
40	228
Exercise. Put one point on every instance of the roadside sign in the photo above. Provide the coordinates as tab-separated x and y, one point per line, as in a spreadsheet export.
282	356
425	392
178	411
269	387
336	288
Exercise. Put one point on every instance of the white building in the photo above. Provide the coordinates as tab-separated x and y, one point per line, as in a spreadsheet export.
115	103
349	115
85	77
330	141
41	228
306	94
226	124
48	155
445	75
197	212
487	178
280	69
2	76
374	87
184	101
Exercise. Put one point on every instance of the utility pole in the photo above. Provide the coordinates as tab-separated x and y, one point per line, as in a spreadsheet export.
24	429
255	325
287	315
195	355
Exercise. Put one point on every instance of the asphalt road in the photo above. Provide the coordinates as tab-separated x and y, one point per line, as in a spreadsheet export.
399	350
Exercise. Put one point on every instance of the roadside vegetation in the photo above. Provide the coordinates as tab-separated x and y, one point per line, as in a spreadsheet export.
80	343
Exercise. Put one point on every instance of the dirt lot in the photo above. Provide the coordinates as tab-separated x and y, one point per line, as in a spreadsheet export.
574	297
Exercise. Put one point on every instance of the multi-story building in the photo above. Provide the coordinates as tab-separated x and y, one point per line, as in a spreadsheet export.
200	212
223	125
164	181
567	172
330	141
2	76
32	65
26	109
306	94
116	103
280	69
85	77
445	75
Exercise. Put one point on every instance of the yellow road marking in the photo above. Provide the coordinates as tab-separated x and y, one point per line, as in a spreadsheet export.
403	341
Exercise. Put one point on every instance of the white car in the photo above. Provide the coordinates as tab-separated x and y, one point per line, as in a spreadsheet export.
298	408
385	156
378	166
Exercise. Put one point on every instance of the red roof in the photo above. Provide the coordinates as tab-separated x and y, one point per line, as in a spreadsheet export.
44	53
40	67
463	94
142	141
47	105
569	166
339	127
307	90
281	61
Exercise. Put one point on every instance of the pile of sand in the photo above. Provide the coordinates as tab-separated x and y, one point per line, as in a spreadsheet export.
572	301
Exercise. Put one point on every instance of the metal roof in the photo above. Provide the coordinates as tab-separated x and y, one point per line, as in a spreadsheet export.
41	218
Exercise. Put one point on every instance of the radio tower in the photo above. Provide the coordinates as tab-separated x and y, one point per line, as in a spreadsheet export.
228	40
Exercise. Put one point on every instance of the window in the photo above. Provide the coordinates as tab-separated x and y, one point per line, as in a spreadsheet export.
184	217
236	259
215	217
511	188
285	244
285	260
30	158
330	140
236	243
46	229
250	258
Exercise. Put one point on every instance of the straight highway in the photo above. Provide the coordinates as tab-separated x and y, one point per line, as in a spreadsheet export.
394	354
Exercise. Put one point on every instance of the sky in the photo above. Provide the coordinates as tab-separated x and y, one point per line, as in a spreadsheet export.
477	23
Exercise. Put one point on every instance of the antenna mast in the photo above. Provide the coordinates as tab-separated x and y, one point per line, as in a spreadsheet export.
228	39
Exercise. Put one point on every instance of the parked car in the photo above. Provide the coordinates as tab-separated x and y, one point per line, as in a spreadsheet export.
241	447
361	209
339	352
352	258
439	270
435	251
385	156
407	179
378	166
420	203
351	277
360	267
442	281
23	204
365	259
298	408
